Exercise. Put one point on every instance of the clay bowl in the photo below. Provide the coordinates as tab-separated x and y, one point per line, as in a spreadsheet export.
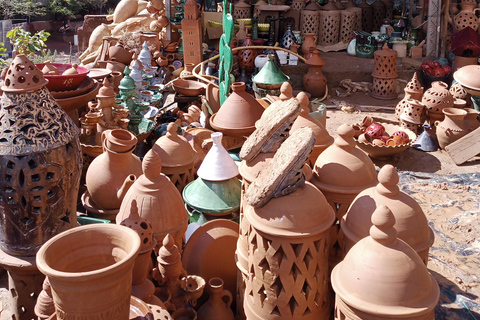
64	82
75	102
84	87
189	88
385	152
99	73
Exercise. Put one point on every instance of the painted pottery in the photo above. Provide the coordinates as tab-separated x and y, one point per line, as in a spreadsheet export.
111	174
452	127
158	201
270	77
382	277
40	162
315	81
427	141
411	223
88	262
436	99
217	306
309	42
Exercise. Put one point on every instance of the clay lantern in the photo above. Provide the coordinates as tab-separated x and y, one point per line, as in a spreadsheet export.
413	90
411	223
287	245
158	201
382	277
178	157
384	73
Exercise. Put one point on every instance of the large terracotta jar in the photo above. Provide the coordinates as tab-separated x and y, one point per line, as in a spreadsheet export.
382	277
315	81
90	271
309	42
217	306
452	127
436	99
411	223
111	174
40	162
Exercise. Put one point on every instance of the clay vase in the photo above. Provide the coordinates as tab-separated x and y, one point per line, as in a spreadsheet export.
309	42
120	54
218	304
111	174
315	81
452	127
436	99
187	71
88	262
158	201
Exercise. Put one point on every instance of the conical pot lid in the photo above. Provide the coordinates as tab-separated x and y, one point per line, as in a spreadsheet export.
383	275
313	6
23	76
414	86
174	150
270	74
217	165
127	82
315	59
330	6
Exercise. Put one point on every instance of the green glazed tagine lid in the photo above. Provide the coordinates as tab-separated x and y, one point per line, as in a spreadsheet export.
270	74
213	197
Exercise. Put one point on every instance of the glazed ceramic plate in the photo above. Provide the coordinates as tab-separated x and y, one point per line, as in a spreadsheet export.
99	73
84	87
210	252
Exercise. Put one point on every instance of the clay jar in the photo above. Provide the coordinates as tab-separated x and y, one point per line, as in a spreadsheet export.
218	305
436	99
315	81
466	17
120	54
90	271
111	174
310	42
452	127
471	119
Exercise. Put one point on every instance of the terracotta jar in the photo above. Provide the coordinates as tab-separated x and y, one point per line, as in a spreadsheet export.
315	81
238	114
382	277
413	90
120	54
466	17
246	58
40	162
158	201
309	42
111	174
411	223
217	306
436	99
452	127
379	13
88	262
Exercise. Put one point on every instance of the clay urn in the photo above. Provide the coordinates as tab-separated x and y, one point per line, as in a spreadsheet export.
158	201
411	223
88	262
218	304
40	162
50	69
452	128
382	277
289	223
112	173
315	81
322	139
178	157
413	90
436	99
238	113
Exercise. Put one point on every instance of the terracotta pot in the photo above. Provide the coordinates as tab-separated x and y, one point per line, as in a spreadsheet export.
466	17
413	90
471	119
120	54
309	42
436	99
218	305
88	262
413	111
111	174
187	71
315	81
452	127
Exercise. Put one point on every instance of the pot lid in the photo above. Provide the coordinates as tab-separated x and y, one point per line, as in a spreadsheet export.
145	54
315	59
23	76
286	91
411	223
106	91
169	255
127	82
217	165
414	85
174	150
218	197
382	275
141	226
468	77
270	74
343	168
313	6
330	6
386	51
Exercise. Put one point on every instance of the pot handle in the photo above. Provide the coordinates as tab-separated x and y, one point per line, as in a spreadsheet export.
103	140
228	296
315	38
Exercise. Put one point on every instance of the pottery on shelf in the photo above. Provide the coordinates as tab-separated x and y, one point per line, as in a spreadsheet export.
218	304
112	173
88	262
452	127
382	277
411	223
40	162
314	81
436	99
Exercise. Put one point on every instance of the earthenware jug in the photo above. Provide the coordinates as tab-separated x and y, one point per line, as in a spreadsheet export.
310	41
218	305
315	81
452	127
466	17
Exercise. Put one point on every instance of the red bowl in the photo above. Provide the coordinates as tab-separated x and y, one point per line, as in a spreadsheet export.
67	82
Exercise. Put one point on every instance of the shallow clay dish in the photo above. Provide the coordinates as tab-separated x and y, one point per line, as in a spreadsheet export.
188	88
468	77
210	252
72	103
64	82
385	152
99	73
84	87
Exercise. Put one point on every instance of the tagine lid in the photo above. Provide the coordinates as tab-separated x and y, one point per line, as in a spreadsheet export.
217	165
383	275
468	77
106	91
270	74
173	149
23	76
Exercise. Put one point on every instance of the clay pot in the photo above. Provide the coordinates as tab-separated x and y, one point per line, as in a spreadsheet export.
88	262
458	92
436	99
120	54
413	90
466	17
309	42
111	174
413	111
471	119
218	305
460	62
158	201
452	127
315	81
246	57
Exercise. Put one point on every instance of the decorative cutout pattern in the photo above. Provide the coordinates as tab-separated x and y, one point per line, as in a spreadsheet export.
383	88
180	177
310	22
298	5
347	25
329	27
379	13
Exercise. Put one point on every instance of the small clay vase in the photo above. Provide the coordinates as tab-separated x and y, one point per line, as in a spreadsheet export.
315	81
452	127
50	69
309	42
218	305
436	99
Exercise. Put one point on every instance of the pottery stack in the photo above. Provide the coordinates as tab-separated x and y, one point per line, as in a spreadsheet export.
384	74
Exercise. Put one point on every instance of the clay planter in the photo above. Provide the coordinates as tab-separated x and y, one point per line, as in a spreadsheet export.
411	223
452	127
315	81
436	99
111	174
88	262
218	305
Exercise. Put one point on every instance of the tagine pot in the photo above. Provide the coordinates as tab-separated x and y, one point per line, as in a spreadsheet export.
452	127
111	174
315	81
90	271
218	304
